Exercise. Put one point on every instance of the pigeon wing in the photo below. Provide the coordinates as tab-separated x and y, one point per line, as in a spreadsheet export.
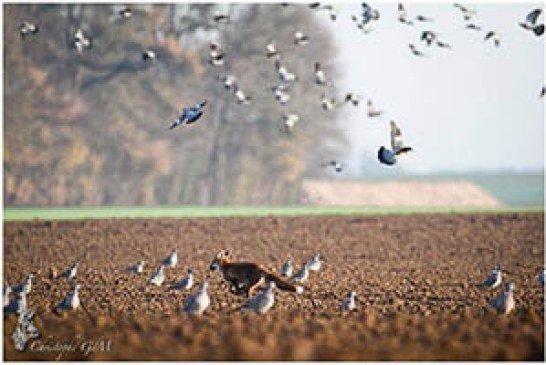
396	137
532	17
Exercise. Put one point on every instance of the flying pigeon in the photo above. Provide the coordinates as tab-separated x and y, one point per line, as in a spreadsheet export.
189	115
198	302
530	22
373	112
241	97
149	56
81	42
300	39
338	167
443	44
473	27
467	12
271	50
262	302
389	157
290	120
422	18
221	18
283	73
280	94
428	37
369	14
415	51
505	303
494	36
27	28
352	98
327	103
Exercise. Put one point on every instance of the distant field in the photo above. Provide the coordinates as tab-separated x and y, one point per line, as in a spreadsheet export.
11	214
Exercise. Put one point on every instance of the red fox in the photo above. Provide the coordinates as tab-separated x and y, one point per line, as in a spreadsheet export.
246	276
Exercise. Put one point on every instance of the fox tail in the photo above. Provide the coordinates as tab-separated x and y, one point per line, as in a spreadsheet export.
282	283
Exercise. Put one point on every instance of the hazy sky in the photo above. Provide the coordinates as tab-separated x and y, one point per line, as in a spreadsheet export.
474	107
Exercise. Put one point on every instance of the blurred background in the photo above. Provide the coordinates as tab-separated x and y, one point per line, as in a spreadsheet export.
90	129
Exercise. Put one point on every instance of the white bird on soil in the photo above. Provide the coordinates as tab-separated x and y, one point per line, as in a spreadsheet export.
262	302
314	263
71	272
290	120
25	287
171	260
505	302
158	277
187	282
287	268
71	301
493	280
139	267
348	304
302	275
7	292
19	305
284	74
198	302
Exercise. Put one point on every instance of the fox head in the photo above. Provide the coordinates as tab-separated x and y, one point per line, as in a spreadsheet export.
223	256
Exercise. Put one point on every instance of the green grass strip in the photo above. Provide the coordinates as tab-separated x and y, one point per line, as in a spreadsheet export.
18	214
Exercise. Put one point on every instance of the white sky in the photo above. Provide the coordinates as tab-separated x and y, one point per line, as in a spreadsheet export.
472	108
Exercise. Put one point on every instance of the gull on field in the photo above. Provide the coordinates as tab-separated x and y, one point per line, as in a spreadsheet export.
198	302
540	279
428	37
7	292
505	303
185	283
71	272
338	167
314	263
25	287
81	42
494	36
283	73
372	110
302	275
189	115
27	28
228	81
530	22
158	277
71	301
493	280
327	103
19	304
300	39
216	55
287	268
137	268
389	157
348	304
172	259
262	302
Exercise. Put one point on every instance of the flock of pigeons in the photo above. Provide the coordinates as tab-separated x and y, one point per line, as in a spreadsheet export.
281	92
198	302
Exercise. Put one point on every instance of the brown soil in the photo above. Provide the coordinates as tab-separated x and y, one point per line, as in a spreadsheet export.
415	279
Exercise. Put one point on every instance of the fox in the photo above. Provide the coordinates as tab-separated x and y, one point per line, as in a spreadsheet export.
247	276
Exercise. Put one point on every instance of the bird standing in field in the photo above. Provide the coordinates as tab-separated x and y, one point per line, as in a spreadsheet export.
158	277
530	22
290	120
187	282
197	303
389	157
320	76
505	303
216	55
28	28
280	93
7	292
25	287
71	272
241	97
262	302
314	263
138	267
71	301
348	304
271	50
229	81
283	73
493	280
302	275
327	103
172	259
189	115
287	268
